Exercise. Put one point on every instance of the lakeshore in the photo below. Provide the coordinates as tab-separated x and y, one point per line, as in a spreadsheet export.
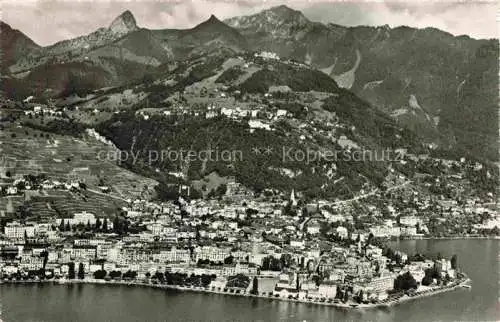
350	305
117	302
448	237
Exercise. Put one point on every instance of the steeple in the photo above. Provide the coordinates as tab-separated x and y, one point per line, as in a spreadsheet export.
292	198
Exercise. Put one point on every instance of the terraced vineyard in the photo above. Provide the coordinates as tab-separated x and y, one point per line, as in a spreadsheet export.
64	158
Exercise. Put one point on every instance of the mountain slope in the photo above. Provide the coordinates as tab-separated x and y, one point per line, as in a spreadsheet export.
13	45
452	79
386	66
66	50
472	118
207	105
119	54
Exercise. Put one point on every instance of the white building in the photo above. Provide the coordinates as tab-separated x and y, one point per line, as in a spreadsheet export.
210	253
267	55
257	124
382	283
15	230
327	289
313	228
384	231
342	232
173	255
80	218
410	221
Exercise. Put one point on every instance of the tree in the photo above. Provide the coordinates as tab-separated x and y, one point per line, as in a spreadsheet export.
346	296
266	263
360	296
221	190
98	224
45	256
405	282
76	85
370	238
115	274
206	279
61	225
159	276
71	270
310	266
229	260
81	271
117	225
147	79
100	274
255	286
427	280
105	225
454	261
286	260
130	274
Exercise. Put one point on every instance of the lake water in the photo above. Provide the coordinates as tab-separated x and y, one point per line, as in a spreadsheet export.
65	303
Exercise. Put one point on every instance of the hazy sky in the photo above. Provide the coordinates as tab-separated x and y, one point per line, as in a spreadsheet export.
47	21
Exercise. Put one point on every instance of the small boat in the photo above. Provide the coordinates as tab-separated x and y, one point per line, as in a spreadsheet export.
466	286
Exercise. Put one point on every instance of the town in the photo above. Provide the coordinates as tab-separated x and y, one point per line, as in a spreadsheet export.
272	245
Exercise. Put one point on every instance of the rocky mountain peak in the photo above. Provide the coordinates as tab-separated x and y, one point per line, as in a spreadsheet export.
124	23
284	10
210	22
213	19
279	22
213	24
287	13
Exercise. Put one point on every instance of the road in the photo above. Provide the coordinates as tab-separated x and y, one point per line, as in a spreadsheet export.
368	194
371	193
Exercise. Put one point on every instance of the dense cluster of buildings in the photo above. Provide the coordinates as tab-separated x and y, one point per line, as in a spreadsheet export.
291	255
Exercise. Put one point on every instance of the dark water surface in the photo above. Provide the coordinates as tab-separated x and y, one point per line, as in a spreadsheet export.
65	303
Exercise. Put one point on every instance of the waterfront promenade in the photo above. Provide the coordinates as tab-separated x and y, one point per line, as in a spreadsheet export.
392	300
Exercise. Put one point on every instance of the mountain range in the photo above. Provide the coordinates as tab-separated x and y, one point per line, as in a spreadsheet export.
441	87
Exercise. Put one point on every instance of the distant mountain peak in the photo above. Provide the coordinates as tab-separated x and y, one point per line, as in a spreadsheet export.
283	9
278	22
212	23
213	19
286	12
124	23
